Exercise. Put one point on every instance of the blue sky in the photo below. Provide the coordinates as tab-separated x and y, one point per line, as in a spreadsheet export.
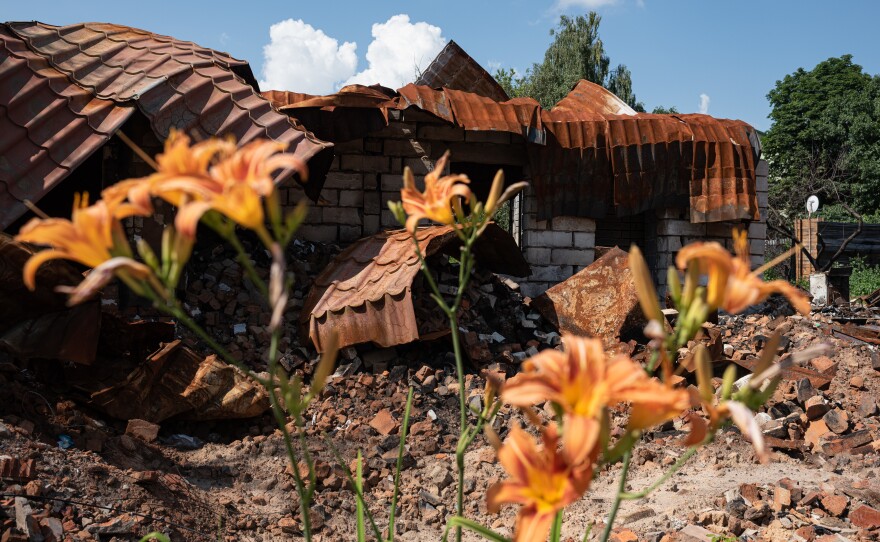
677	50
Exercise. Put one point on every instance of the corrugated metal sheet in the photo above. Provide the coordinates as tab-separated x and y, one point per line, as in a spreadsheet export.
66	90
365	294
453	68
594	156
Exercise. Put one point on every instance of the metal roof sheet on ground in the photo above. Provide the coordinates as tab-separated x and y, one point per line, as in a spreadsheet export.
595	156
453	68
365	294
64	91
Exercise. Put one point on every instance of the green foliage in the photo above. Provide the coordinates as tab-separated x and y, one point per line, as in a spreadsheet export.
825	137
662	110
722	538
576	53
865	278
836	213
502	216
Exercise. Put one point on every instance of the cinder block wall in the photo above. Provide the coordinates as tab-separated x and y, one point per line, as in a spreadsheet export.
555	249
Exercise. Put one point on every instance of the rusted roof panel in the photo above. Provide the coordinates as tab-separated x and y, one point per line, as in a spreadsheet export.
64	91
595	155
365	294
453	68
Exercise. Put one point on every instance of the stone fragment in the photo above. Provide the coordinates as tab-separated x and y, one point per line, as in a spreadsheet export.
836	420
857	382
816	407
781	498
142	429
805	390
846	443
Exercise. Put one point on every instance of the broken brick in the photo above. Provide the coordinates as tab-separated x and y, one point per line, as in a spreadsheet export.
865	517
384	422
142	429
835	504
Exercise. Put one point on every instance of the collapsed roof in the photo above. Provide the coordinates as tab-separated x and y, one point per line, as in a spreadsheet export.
66	90
589	156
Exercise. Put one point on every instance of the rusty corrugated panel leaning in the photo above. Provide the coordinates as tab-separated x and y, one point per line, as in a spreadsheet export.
91	76
453	68
365	294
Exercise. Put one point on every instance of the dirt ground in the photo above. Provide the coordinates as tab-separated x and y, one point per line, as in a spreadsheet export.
71	473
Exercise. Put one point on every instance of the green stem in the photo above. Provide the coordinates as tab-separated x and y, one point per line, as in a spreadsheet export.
400	450
556	530
281	422
245	260
621	489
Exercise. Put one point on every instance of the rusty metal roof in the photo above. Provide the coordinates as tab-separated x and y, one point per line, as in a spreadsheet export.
592	154
365	294
64	91
453	68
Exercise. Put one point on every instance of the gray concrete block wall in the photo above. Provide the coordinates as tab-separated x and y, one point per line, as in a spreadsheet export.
555	249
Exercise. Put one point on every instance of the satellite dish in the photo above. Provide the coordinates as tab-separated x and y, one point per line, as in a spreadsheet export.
812	204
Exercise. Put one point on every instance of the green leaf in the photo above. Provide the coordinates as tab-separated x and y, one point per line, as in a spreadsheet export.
473	526
155	536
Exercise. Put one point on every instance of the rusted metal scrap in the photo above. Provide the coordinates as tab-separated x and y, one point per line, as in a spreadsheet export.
365	294
598	301
39	324
175	381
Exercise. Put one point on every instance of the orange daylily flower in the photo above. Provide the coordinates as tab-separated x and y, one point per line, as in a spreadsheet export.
92	236
212	175
436	202
732	285
582	381
541	480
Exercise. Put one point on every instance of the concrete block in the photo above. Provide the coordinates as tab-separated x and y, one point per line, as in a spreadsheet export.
340	215
537	255
670	213
393	183
758	230
355	146
419	166
324	233
533	289
397	130
762	201
371	224
756	246
440	132
530	204
548	238
550	273
406	147
371	181
680	227
362	163
351	198
669	244
387	220
373	203
762	184
330	197
584	239
350	233
569	256
573	223
344	181
762	168
757	261
373	145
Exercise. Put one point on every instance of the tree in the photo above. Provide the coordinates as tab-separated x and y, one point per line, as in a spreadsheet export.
576	53
662	110
825	137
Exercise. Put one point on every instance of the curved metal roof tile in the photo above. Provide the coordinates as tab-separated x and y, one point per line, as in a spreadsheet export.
64	91
365	295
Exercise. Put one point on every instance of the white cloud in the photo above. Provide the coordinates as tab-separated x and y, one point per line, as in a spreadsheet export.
302	58
704	104
586	4
398	48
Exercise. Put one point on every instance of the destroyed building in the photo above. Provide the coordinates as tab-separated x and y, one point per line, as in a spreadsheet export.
600	173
